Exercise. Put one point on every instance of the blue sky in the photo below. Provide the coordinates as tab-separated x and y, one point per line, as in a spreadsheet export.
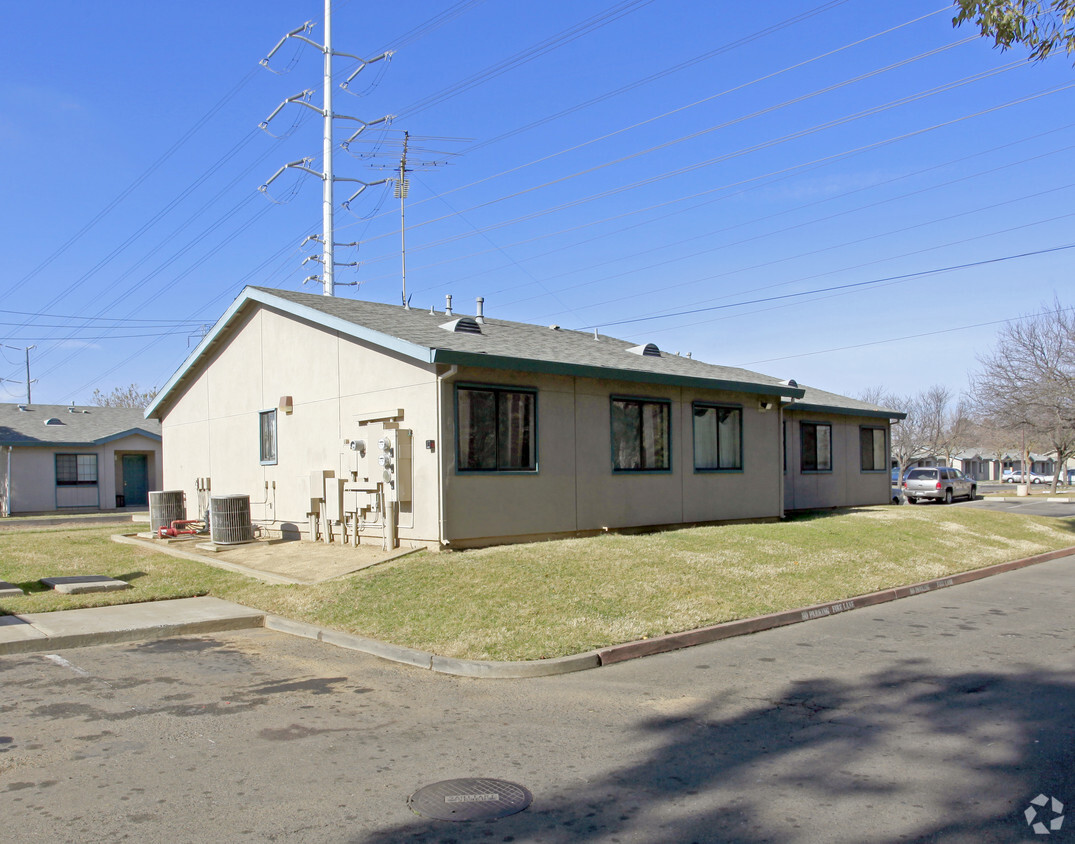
795	192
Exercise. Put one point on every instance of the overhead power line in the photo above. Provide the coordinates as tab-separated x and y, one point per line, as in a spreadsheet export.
903	338
815	291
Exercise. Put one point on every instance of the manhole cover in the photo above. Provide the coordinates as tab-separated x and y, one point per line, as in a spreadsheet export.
469	799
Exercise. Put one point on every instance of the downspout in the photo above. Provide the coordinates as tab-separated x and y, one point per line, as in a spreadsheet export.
783	457
7	483
441	471
781	498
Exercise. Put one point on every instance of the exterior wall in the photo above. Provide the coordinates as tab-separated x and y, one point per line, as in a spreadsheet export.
847	484
575	487
211	430
33	475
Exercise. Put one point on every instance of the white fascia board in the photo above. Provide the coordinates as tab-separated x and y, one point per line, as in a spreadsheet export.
313	315
346	327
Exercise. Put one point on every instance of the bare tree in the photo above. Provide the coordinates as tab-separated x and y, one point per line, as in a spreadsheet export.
921	434
1027	382
132	396
956	430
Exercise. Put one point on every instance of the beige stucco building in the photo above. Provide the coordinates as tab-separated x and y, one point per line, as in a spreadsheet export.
466	431
57	457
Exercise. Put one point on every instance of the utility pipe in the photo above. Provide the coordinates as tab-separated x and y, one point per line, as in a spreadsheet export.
447	375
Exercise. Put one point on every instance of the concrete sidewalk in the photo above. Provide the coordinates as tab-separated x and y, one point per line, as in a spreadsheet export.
122	623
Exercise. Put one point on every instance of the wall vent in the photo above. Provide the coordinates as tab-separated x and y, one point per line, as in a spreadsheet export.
463	325
650	350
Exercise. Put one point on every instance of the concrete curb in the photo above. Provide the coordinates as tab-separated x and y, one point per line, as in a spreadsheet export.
432	662
675	641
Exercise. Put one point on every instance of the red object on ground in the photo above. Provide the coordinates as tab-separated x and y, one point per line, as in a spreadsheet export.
175	529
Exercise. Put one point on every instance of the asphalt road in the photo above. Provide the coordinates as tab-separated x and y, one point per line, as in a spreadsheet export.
936	718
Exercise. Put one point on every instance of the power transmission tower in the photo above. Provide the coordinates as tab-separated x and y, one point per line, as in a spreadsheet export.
326	175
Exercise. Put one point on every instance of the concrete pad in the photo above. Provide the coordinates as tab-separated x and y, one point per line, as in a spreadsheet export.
8	590
80	584
133	622
14	631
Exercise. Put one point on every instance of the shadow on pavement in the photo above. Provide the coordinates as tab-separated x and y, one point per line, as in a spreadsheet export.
975	748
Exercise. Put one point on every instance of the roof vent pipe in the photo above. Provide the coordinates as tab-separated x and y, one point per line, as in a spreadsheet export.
447	304
479	317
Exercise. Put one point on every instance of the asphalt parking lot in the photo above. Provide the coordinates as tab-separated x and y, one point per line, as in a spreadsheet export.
936	718
1029	506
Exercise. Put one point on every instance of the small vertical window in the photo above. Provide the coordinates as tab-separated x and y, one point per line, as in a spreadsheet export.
267	426
641	435
872	449
718	434
816	440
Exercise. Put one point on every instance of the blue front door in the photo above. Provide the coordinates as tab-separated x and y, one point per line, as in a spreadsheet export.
135	480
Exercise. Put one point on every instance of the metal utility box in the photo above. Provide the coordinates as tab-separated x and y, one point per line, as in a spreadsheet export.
317	487
334	499
358	497
404	467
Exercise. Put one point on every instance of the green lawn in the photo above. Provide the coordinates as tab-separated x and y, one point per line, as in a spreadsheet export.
553	598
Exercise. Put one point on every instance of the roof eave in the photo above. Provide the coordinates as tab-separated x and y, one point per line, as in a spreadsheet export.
879	413
486	361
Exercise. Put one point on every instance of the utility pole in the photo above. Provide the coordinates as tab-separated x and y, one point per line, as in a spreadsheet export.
326	174
402	185
27	350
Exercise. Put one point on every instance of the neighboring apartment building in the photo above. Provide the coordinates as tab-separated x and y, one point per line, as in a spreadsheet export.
56	457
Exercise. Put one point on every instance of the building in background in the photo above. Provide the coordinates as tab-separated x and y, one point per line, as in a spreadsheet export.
59	457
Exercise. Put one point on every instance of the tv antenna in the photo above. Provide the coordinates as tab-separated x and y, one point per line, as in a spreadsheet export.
328	178
402	184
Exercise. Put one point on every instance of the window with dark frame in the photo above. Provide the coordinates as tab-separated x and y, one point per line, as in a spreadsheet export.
76	470
872	449
641	435
816	438
718	437
267	437
496	429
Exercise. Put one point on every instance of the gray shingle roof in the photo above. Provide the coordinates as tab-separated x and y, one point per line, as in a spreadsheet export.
517	340
86	426
500	345
820	400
